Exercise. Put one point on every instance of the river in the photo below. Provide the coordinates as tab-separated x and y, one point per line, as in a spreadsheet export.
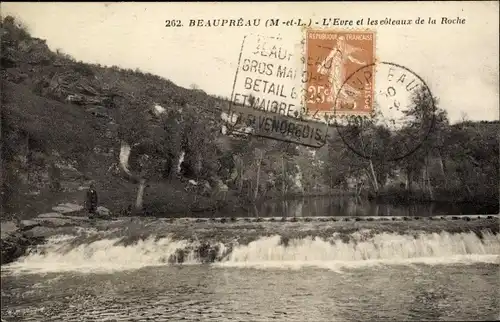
153	269
348	206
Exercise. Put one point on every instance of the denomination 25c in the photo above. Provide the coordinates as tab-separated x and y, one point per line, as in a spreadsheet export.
318	94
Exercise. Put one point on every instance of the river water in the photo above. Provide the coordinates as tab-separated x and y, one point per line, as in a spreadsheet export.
348	206
156	270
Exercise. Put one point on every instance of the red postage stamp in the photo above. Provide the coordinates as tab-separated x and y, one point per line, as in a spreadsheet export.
333	59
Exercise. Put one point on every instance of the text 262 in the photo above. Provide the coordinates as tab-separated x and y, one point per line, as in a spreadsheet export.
173	23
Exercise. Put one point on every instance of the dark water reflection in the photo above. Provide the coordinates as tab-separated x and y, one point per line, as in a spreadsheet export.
348	206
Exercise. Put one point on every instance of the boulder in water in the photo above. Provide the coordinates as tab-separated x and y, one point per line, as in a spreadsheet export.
28	224
51	215
67	208
7	228
103	211
15	246
55	221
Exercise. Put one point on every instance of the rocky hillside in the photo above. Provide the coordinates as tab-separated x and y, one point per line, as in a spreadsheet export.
63	121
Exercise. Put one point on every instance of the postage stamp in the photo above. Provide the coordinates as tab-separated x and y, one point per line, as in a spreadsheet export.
331	57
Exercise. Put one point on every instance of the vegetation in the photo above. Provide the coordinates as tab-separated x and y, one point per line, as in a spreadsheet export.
63	123
456	162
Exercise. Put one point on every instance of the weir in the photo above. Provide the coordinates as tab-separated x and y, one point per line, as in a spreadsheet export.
335	218
133	243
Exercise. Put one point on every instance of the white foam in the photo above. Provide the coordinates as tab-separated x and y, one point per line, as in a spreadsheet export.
338	265
59	254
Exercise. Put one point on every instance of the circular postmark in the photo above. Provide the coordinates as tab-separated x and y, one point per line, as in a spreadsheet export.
395	117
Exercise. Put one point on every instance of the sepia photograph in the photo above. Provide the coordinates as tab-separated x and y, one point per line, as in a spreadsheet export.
244	161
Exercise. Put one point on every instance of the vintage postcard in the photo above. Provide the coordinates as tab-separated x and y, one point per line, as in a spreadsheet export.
234	161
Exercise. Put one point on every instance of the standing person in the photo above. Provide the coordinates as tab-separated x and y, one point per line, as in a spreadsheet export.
91	200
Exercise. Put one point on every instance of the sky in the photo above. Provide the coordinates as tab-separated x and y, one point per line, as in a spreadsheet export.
458	62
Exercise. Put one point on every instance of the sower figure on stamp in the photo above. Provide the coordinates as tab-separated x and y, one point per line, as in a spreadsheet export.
334	67
91	200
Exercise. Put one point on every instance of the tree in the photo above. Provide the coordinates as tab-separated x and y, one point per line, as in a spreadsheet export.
137	134
359	154
418	137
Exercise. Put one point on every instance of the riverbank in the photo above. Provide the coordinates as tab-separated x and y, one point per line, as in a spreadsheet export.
118	195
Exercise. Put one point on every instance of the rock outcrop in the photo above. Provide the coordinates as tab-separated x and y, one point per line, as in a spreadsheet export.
17	238
103	212
67	208
15	245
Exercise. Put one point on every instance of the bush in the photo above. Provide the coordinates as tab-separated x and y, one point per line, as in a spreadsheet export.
16	31
83	69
